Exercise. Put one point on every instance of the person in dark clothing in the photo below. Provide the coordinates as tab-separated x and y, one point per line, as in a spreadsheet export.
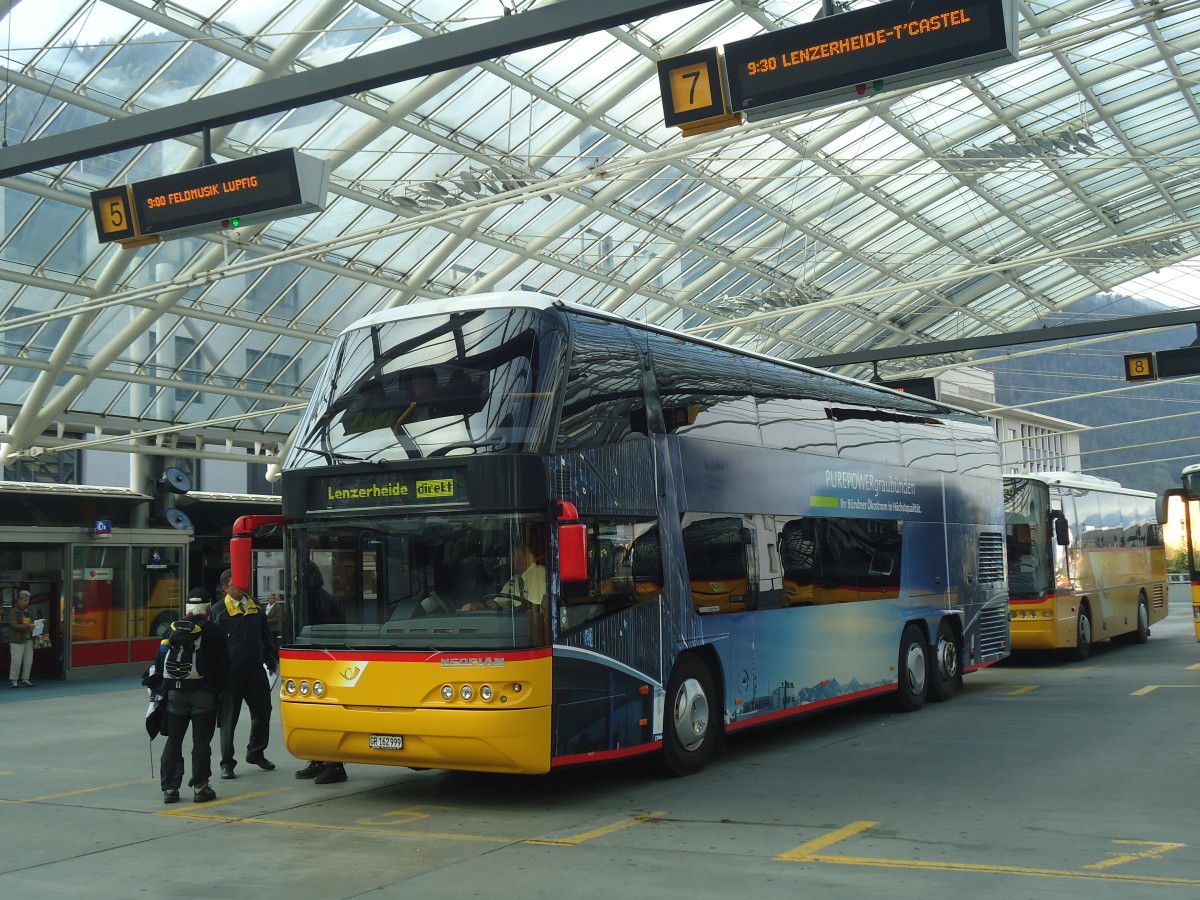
193	702
323	609
250	649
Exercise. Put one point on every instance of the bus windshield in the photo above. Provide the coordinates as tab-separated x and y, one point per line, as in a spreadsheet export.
1026	516
445	384
422	582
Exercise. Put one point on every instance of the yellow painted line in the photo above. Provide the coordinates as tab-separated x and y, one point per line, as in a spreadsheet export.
598	832
1160	847
103	787
807	851
991	869
1142	692
185	810
1023	689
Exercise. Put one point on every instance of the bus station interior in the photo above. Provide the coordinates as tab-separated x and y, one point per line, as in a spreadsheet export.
150	390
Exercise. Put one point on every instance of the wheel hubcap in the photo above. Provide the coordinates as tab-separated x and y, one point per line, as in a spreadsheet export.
691	714
915	668
1085	631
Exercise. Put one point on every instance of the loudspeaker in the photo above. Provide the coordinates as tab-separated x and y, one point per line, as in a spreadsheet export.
178	519
176	480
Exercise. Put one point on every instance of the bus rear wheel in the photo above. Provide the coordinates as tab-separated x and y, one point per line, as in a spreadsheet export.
1143	621
689	733
913	669
945	663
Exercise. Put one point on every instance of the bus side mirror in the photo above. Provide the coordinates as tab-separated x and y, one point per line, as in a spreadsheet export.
1062	533
572	545
572	553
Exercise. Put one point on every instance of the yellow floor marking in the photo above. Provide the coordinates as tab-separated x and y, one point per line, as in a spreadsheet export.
185	810
1160	847
103	787
807	853
1023	689
598	832
1142	692
406	814
381	826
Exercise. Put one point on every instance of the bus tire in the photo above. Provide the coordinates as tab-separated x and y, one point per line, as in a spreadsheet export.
945	662
912	669
1142	634
689	733
1083	634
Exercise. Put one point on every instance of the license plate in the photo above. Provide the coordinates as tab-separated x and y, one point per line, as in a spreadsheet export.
387	742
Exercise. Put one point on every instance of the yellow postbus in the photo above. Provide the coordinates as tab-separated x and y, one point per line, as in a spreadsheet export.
1191	518
1086	562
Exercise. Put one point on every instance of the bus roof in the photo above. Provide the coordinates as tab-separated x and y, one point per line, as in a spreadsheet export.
531	300
1078	480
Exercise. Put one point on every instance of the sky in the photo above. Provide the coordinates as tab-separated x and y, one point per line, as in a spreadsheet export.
1177	285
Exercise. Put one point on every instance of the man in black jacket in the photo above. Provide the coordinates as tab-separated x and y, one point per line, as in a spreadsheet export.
193	701
250	649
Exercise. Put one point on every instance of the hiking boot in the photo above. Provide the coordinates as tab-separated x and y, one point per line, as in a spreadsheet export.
334	772
261	761
312	770
204	793
171	796
227	772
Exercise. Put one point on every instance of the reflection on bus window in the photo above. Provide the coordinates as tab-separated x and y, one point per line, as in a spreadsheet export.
827	560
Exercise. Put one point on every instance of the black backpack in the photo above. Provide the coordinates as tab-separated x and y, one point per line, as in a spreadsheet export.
182	659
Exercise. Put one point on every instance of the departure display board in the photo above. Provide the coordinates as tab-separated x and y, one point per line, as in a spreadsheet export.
258	188
916	40
212	194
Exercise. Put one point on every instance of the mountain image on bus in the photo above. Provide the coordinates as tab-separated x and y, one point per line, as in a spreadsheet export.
1086	562
524	534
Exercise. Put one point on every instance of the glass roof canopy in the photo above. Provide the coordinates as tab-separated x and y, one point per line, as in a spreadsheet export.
963	208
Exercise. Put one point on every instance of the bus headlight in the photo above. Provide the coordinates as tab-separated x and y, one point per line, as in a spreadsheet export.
304	689
485	692
318	689
289	687
447	692
467	692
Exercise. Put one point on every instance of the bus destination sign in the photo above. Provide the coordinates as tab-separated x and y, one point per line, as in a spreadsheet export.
374	490
898	43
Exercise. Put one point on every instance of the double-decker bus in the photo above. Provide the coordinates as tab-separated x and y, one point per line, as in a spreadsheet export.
1086	562
1190	494
585	538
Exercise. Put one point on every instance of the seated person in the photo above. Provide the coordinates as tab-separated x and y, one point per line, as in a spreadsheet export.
371	411
529	586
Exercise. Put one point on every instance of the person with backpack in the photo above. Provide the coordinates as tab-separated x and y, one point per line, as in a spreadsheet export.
193	661
251	648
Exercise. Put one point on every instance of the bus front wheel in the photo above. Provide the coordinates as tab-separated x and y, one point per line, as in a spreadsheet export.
689	733
1083	634
913	669
945	663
